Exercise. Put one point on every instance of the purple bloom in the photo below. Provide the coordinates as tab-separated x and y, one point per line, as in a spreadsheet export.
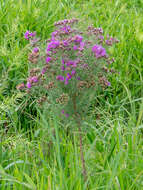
29	34
69	76
54	34
67	115
28	85
99	51
78	78
63	111
66	29
32	34
101	37
43	70
36	50
74	64
108	83
75	47
53	44
34	79
69	63
48	59
109	42
60	77
82	44
26	35
63	61
78	38
63	68
65	43
73	72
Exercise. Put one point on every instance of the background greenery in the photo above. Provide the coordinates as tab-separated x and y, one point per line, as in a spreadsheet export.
36	151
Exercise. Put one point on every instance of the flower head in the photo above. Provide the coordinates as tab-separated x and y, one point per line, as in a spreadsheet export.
99	51
78	38
60	77
36	50
48	59
29	34
28	85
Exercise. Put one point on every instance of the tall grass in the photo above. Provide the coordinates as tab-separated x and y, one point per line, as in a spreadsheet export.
36	151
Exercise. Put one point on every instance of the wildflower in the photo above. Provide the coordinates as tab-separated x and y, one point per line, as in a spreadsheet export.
36	50
34	79
78	39
63	68
28	85
75	47
26	35
99	51
108	83
52	45
67	115
63	111
60	77
43	70
48	59
73	72
65	43
29	34
82	44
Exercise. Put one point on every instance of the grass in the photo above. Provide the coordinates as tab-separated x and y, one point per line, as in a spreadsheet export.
35	152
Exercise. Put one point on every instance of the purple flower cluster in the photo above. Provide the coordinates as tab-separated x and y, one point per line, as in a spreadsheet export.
29	34
31	80
73	58
98	51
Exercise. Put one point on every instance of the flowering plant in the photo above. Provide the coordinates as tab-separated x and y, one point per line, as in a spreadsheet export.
67	70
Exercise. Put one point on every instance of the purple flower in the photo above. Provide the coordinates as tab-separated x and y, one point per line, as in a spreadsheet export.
63	68
73	72
63	111
82	44
69	63
66	29
69	76
75	47
26	35
54	34
43	70
29	34
63	61
36	50
109	42
65	43
28	85
53	44
78	38
99	51
67	115
101	37
108	83
34	79
60	77
48	59
32	34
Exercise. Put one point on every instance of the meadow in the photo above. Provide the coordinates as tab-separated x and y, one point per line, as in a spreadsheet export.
34	157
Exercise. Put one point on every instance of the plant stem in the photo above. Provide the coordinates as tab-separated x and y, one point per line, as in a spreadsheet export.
77	117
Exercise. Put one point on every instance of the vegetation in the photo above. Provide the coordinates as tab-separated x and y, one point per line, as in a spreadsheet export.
37	150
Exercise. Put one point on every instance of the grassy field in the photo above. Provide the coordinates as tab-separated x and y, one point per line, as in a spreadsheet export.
31	155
